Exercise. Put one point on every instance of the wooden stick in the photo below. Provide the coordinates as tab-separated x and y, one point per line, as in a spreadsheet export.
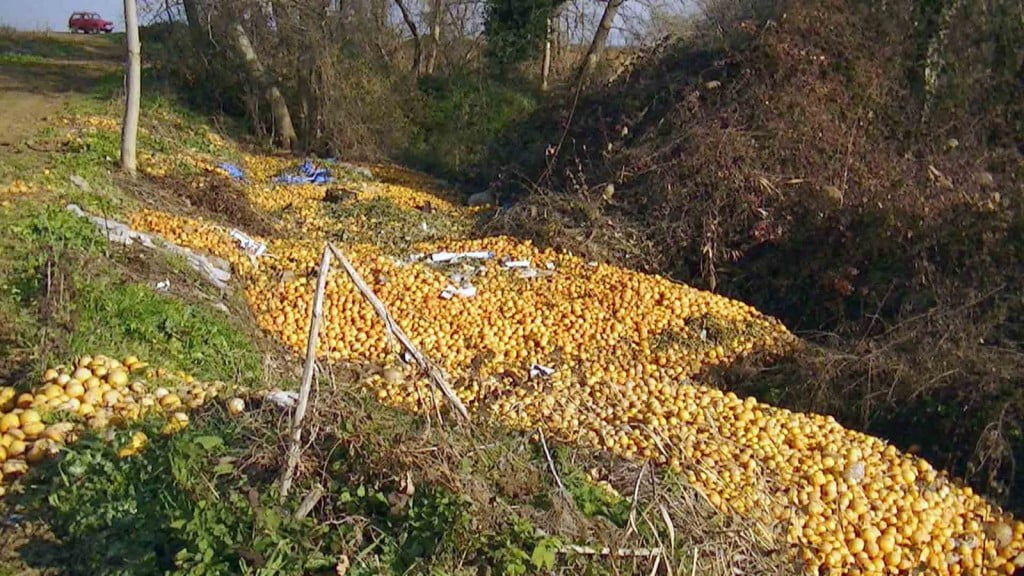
589	551
309	502
294	447
433	372
551	464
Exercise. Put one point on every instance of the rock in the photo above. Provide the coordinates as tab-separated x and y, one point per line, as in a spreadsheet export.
80	182
984	179
833	194
339	195
481	199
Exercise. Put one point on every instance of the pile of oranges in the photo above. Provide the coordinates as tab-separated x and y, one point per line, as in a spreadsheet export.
94	392
606	358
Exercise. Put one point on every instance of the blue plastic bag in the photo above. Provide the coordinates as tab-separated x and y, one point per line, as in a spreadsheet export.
232	170
308	173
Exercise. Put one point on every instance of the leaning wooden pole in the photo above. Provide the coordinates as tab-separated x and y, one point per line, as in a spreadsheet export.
435	374
295	443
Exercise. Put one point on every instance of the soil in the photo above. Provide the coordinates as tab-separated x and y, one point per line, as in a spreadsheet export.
30	92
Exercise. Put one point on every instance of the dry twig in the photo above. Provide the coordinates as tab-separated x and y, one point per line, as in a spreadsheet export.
433	371
294	446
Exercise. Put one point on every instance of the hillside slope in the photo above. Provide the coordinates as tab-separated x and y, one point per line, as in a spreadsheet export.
795	161
607	365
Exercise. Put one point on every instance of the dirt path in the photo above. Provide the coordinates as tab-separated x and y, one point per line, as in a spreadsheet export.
40	73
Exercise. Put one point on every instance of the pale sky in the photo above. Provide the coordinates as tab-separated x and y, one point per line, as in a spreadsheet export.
53	14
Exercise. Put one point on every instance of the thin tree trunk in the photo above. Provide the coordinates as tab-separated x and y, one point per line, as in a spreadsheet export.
194	18
935	54
593	55
283	127
545	67
417	55
133	77
435	36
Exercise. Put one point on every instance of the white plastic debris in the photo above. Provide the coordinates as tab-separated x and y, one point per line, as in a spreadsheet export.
163	285
854	472
466	291
456	256
251	246
516	264
211	269
283	399
539	371
534	273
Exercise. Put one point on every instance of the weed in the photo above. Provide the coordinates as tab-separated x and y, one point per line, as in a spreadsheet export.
380	222
179	499
16	59
136	320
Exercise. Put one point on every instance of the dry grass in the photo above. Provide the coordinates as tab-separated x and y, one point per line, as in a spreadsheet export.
501	479
785	162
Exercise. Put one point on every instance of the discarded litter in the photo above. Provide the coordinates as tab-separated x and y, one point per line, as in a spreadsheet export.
212	269
163	286
533	273
283	399
466	291
307	173
233	170
456	256
516	264
251	246
539	371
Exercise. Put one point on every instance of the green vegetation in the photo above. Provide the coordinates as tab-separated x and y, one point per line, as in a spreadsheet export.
206	500
516	30
461	116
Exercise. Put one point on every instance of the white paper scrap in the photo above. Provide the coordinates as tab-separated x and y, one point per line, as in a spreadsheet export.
456	256
251	246
283	399
538	370
468	291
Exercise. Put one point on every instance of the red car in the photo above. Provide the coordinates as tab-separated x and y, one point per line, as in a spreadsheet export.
89	23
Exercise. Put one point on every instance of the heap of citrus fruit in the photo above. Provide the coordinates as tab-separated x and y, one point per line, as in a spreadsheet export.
94	392
603	356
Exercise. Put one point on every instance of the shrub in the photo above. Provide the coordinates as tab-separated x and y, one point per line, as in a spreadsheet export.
460	116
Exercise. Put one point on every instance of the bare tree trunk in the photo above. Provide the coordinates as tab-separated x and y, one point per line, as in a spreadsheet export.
435	35
935	54
194	18
283	127
593	55
417	55
133	78
545	67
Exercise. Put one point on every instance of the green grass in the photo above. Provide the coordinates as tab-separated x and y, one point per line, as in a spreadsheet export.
16	59
178	507
393	229
117	319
